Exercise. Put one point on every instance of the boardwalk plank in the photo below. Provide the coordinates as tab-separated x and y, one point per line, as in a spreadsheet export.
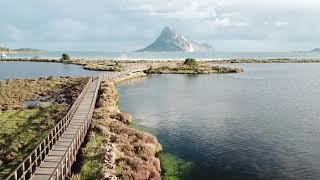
58	151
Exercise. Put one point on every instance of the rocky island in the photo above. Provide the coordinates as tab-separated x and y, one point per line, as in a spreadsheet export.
170	40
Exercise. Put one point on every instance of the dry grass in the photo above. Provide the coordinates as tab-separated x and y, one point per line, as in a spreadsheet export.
181	68
22	128
14	93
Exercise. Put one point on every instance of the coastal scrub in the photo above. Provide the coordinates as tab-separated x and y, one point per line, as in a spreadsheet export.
191	62
124	153
186	69
29	108
65	57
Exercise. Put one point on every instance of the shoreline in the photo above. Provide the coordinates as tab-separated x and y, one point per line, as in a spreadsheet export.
120	151
108	110
109	61
155	67
120	138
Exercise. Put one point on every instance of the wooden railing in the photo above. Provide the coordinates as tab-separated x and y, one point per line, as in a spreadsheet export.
130	69
28	166
63	170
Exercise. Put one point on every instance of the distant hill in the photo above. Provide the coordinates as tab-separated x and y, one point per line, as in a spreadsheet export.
314	50
170	40
20	50
27	50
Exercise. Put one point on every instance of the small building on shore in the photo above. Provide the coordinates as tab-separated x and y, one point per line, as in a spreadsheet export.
3	56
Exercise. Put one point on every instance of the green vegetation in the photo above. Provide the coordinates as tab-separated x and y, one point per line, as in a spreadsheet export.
191	62
29	108
174	168
182	69
92	153
65	57
22	130
114	149
14	93
3	49
103	67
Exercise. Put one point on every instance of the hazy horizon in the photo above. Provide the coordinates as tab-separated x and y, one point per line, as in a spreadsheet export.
128	25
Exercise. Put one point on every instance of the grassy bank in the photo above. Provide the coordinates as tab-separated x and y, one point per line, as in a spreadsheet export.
22	130
29	108
91	154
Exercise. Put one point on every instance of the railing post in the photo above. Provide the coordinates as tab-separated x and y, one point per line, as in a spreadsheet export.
23	170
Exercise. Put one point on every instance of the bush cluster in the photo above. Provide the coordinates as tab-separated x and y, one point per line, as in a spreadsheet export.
191	62
65	57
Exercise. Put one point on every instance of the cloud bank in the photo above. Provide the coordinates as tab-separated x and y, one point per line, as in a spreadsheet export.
125	25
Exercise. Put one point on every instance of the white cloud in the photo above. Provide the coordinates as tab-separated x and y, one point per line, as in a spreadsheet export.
281	23
226	22
115	23
65	29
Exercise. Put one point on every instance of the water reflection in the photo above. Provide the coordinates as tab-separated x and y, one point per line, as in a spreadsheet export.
9	70
261	124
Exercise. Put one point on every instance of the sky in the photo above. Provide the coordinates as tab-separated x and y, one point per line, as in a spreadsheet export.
127	25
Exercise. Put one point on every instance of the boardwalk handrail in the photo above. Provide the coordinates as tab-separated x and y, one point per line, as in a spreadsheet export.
131	69
28	166
63	169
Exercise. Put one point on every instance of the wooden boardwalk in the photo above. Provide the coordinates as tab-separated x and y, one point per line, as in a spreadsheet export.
61	157
53	158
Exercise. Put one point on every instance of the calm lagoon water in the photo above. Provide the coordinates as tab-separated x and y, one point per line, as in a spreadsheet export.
260	124
14	70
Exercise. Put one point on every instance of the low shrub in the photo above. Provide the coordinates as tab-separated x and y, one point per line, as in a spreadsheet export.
191	62
65	57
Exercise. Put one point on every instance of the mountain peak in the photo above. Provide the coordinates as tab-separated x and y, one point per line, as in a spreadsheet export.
168	30
170	40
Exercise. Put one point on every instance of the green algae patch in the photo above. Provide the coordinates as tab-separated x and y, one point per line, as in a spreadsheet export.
173	167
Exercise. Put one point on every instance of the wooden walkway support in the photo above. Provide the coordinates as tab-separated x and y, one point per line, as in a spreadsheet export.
53	158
